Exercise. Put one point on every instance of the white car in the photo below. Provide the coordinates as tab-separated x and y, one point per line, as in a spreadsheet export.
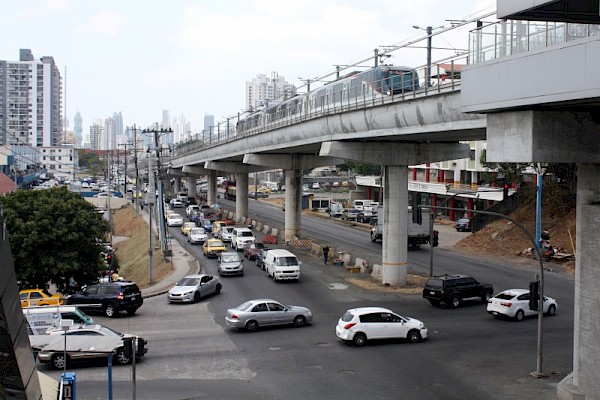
225	233
514	303
191	288
197	235
175	203
361	324
191	209
174	220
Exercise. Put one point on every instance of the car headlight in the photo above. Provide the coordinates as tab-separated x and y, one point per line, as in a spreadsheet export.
188	292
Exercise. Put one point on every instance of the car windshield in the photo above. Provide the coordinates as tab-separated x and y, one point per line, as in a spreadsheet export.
434	283
287	261
244	306
216	243
228	230
197	231
109	332
246	234
505	296
230	258
188	282
347	317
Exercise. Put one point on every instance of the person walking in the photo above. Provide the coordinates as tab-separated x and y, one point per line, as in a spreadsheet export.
325	254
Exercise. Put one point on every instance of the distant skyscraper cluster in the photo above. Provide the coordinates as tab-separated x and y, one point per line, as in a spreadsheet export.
261	91
30	101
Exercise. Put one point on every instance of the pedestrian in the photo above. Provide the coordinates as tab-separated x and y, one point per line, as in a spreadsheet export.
325	254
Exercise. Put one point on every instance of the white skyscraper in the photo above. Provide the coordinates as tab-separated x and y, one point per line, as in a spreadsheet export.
30	101
180	129
262	90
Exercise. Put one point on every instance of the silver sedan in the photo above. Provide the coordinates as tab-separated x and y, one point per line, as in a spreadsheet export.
264	312
191	288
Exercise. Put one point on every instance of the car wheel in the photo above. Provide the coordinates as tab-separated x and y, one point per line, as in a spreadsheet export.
251	326
455	301
520	315
58	361
486	297
373	239
122	357
359	339
414	336
552	309
110	311
196	297
218	289
299	321
131	311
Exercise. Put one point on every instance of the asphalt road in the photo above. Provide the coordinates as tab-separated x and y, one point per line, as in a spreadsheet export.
469	355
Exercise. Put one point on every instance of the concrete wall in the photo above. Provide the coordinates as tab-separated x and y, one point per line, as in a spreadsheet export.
564	72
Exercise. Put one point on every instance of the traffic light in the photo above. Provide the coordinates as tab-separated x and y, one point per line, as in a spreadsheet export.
436	239
109	258
505	191
534	295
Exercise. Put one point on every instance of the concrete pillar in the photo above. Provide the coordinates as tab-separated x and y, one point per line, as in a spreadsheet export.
456	176
427	173
293	199
442	176
474	179
470	207
211	183
586	352
191	186
177	184
395	222
452	212
241	194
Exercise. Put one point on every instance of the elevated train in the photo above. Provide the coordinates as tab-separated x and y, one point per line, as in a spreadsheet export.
353	88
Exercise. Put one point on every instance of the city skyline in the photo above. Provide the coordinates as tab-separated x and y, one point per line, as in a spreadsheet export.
192	58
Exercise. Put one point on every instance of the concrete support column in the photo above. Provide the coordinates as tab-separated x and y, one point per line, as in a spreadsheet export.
427	172
470	207
293	199
414	173
474	179
442	176
452	212
456	176
211	191
177	184
395	222
241	194
191	186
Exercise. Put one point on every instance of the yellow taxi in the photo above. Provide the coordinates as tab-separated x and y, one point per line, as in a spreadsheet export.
39	297
213	247
187	227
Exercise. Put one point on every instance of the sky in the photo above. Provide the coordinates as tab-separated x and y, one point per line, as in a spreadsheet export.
194	57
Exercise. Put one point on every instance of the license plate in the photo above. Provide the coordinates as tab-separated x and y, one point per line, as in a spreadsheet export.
432	292
494	313
132	297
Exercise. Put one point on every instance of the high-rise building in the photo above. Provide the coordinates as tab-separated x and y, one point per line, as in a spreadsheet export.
180	129
30	101
96	135
78	129
261	91
108	139
209	123
118	123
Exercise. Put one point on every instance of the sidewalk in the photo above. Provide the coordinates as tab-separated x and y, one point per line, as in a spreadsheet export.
183	264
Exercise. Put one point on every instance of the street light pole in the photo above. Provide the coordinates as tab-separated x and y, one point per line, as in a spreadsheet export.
429	30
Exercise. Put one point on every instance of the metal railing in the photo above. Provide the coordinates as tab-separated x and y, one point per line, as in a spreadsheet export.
445	77
510	37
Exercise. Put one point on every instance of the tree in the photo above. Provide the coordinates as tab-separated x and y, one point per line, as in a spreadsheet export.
54	235
512	172
92	162
364	168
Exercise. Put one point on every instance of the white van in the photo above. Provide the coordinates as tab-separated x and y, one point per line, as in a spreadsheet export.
40	319
240	236
282	265
365	205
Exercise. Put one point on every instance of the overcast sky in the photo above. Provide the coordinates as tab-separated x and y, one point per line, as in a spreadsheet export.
193	57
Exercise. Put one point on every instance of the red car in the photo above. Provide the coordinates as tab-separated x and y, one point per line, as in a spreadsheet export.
251	249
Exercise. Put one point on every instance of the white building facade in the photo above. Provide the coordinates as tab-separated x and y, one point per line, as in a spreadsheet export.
61	162
261	91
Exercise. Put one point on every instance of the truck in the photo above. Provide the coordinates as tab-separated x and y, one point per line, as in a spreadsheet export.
418	233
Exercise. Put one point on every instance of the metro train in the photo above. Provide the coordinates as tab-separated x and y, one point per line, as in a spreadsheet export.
350	89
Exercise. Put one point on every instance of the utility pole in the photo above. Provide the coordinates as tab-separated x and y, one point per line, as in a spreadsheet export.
137	173
150	197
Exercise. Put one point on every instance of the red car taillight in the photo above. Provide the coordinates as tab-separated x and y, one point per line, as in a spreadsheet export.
350	325
506	304
234	316
120	296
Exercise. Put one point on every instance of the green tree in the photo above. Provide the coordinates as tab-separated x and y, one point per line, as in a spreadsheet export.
364	168
92	162
54	236
512	172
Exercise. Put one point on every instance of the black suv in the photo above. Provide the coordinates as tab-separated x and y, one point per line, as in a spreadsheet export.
109	298
452	290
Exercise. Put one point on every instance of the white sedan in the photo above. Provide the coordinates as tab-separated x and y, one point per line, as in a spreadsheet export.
514	303
197	235
361	324
174	220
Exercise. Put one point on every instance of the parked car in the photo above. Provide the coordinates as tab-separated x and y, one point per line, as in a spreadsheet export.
361	324
213	247
452	290
463	225
335	210
365	216
264	312
514	303
122	356
187	227
260	257
191	288
39	297
176	203
350	214
197	236
230	263
110	298
251	249
174	220
257	195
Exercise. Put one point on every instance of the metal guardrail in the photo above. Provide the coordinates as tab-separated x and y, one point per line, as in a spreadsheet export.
445	77
505	38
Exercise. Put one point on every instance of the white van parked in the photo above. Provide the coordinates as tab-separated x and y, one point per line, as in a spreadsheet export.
42	318
365	205
241	236
282	265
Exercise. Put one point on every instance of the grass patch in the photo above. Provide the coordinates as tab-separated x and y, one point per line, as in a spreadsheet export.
134	260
